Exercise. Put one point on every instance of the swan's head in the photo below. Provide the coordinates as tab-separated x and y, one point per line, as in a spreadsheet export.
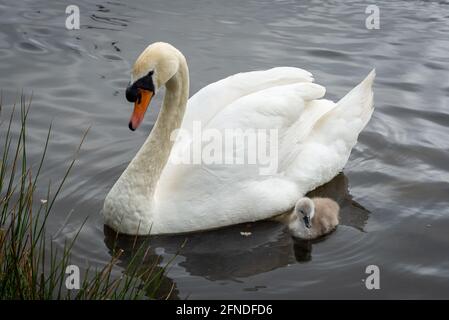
155	66
304	212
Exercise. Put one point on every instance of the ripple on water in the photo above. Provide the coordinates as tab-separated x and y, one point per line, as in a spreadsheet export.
30	46
112	57
327	53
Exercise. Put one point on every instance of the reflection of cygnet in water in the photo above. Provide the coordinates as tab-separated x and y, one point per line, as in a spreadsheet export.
313	218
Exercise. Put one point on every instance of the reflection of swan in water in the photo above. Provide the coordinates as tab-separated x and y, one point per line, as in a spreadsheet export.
226	254
222	253
136	248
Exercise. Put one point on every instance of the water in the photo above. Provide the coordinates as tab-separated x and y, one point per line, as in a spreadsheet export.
394	190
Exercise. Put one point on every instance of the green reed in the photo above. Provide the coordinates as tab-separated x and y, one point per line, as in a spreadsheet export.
31	266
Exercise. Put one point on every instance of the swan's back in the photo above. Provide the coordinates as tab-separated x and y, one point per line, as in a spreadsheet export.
210	100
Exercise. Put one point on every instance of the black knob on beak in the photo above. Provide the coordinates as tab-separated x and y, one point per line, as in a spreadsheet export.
132	94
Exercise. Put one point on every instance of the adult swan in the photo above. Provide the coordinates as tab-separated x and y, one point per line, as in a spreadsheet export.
155	195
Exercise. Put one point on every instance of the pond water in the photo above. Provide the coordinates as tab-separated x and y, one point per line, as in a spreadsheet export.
394	191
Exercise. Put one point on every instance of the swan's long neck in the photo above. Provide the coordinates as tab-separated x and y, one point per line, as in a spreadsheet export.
146	168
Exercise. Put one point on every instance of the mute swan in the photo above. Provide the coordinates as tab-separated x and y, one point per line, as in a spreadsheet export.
313	218
155	195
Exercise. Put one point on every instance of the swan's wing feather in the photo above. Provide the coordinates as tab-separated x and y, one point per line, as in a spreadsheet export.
208	101
273	108
292	142
323	152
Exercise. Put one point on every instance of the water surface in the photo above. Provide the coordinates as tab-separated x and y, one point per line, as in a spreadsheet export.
394	191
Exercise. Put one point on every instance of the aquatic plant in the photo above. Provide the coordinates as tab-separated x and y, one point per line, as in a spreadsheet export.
31	266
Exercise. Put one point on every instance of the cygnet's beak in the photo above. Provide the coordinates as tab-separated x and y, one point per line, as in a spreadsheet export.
307	222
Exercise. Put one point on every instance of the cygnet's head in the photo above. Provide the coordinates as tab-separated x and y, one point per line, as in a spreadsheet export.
304	212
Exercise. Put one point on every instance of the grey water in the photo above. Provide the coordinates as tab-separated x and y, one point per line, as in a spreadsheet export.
394	190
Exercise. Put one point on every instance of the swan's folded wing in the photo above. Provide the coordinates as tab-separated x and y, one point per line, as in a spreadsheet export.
235	191
273	108
266	114
318	156
210	100
293	140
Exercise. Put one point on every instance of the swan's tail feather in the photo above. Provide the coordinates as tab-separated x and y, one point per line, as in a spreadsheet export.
323	153
358	103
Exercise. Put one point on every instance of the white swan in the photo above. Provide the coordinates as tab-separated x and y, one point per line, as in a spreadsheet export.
156	196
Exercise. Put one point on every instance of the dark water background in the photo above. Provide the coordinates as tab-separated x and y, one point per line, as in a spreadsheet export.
394	190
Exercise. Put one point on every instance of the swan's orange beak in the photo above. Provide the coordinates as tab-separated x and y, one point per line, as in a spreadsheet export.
140	107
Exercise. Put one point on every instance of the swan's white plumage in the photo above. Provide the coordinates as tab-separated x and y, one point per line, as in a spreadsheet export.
208	101
316	137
